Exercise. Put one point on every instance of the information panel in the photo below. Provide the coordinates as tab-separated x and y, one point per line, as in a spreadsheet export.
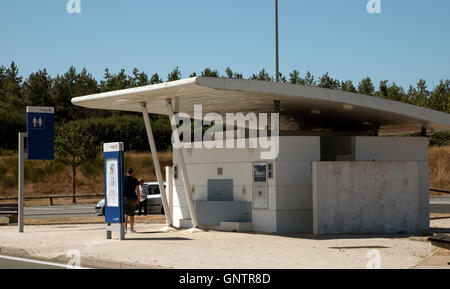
260	195
112	183
113	163
40	129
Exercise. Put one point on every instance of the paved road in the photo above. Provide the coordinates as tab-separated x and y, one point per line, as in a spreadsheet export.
437	205
83	210
440	205
7	262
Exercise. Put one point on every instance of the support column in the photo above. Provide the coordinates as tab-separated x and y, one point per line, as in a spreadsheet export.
169	188
21	177
151	141
182	166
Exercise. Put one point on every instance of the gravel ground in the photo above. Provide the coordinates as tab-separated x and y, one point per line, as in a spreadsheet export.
213	249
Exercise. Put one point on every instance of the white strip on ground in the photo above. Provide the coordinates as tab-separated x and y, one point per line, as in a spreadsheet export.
40	262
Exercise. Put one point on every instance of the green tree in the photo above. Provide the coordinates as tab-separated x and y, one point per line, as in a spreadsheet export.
175	74
208	72
392	92
383	89
440	97
366	87
74	147
396	93
12	88
36	89
155	79
309	79
2	80
138	78
328	82
62	91
419	95
348	86
113	82
262	75
231	74
294	77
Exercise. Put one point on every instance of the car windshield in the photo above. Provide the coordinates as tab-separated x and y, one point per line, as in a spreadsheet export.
153	189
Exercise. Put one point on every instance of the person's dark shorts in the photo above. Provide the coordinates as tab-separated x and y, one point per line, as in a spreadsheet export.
130	206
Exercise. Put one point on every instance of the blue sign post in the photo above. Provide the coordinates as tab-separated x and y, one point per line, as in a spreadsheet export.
40	146
114	197
40	130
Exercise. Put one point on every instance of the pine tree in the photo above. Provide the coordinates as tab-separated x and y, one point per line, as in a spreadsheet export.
366	87
208	72
175	74
36	89
328	82
155	79
309	79
262	75
348	86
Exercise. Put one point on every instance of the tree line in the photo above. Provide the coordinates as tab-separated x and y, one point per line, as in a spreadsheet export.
41	89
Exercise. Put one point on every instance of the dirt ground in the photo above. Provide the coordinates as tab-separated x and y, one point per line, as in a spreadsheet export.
213	249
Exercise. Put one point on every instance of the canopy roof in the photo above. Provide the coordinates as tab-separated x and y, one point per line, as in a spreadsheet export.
311	107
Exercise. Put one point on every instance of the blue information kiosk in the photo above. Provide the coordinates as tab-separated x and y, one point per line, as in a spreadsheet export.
114	198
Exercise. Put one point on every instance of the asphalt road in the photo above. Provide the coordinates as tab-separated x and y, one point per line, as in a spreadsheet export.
437	205
83	210
7	262
440	205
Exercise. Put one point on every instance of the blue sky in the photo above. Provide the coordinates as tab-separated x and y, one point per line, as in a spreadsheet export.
409	40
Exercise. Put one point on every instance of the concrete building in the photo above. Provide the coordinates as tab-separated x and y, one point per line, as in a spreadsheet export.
339	168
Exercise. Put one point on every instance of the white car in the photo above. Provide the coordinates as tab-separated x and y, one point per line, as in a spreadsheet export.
154	203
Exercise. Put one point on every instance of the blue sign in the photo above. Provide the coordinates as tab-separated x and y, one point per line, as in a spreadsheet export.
40	129
114	171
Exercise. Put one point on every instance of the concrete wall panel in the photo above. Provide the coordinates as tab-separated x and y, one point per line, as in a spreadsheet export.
294	197
391	148
366	197
295	221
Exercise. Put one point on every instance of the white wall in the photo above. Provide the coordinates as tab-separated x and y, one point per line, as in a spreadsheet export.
294	183
400	149
365	197
290	196
289	192
236	164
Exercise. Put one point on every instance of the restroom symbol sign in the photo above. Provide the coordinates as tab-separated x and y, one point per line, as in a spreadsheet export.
38	122
40	129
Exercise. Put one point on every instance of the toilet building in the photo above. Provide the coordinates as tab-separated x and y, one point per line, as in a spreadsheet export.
341	165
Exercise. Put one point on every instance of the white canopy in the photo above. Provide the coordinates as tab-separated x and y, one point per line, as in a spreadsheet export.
311	106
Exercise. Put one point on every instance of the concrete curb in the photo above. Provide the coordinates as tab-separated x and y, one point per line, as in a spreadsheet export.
88	262
13	252
97	263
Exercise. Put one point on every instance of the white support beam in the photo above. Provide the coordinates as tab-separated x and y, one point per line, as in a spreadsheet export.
182	166
151	141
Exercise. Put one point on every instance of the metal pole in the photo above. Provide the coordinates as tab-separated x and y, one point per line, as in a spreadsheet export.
277	68
21	177
151	141
179	152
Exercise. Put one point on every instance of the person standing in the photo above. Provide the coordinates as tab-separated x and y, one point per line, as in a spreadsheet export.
143	200
132	196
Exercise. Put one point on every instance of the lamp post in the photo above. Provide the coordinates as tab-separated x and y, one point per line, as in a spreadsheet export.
277	69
